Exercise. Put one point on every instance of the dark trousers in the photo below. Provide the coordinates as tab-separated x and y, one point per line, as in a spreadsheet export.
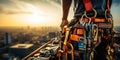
101	51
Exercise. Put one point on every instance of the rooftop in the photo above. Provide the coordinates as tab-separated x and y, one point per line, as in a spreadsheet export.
22	46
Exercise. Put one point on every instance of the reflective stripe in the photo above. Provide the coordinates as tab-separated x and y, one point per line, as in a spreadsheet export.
75	37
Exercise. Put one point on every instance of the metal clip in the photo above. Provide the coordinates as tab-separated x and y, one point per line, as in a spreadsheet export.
81	20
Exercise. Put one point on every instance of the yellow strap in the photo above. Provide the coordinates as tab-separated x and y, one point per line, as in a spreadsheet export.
66	35
96	34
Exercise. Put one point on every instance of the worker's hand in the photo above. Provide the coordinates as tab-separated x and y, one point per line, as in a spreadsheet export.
64	22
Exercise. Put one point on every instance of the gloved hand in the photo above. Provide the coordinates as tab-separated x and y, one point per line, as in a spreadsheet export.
64	22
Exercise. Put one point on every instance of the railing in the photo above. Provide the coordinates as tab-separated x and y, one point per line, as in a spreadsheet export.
37	50
116	34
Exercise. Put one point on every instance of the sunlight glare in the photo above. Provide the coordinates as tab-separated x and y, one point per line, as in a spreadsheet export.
36	18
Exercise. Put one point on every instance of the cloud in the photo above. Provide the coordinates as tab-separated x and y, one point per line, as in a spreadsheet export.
116	2
1	9
12	12
15	7
27	6
7	11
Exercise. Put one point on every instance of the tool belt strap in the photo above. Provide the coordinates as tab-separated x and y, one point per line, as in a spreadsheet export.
105	25
101	22
75	37
96	20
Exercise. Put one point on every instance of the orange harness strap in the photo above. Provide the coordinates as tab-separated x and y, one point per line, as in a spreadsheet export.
96	20
75	36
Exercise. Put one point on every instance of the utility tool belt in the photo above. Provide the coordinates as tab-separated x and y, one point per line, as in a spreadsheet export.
104	29
101	22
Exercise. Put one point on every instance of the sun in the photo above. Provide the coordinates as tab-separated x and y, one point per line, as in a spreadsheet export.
36	18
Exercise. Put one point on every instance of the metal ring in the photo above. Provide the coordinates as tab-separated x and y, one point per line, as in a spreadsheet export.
94	14
106	13
82	17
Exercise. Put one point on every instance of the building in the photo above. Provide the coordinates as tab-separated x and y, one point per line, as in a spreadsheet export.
52	35
21	50
7	38
43	38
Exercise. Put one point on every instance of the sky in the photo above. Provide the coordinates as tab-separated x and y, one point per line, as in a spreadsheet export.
29	12
39	13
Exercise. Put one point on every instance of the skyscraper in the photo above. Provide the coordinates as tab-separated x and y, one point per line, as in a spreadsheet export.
7	38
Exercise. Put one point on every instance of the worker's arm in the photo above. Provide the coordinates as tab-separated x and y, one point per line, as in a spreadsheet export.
65	10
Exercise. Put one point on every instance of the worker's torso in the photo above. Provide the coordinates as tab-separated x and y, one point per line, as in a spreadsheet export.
99	5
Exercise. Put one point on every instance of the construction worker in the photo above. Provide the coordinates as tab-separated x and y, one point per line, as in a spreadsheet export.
80	6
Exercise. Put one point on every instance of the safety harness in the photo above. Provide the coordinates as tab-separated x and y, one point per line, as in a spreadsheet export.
88	35
100	23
